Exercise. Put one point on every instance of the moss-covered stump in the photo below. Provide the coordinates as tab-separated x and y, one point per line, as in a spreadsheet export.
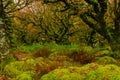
106	60
88	72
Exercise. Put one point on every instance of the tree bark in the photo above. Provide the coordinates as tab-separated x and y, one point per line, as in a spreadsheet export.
3	43
115	43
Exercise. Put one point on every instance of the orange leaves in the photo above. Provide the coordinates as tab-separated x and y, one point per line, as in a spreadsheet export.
17	21
20	55
42	53
2	77
72	70
44	67
83	57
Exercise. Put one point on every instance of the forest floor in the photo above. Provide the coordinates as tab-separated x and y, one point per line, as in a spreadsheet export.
60	62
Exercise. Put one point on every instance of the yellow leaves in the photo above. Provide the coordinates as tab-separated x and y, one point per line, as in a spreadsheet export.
29	26
17	21
2	77
32	29
18	13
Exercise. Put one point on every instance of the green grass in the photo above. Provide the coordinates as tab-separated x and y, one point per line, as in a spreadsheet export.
34	47
27	48
61	47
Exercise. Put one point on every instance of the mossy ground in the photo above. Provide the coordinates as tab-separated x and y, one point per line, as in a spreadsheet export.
59	63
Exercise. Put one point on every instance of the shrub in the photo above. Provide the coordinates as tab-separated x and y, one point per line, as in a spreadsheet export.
115	54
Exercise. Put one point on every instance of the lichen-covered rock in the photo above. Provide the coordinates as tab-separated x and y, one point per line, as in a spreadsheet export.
106	60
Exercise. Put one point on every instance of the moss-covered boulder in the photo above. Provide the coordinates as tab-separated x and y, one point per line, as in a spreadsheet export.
106	60
102	53
31	67
24	76
108	72
71	73
87	49
18	67
63	74
88	72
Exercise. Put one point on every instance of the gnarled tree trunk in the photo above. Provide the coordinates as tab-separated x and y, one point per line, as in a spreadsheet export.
3	43
4	50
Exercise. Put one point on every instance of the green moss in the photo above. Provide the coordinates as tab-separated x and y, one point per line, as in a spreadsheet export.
39	59
71	73
87	48
9	58
108	72
88	72
14	68
63	74
101	53
116	54
106	60
54	53
25	76
18	67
